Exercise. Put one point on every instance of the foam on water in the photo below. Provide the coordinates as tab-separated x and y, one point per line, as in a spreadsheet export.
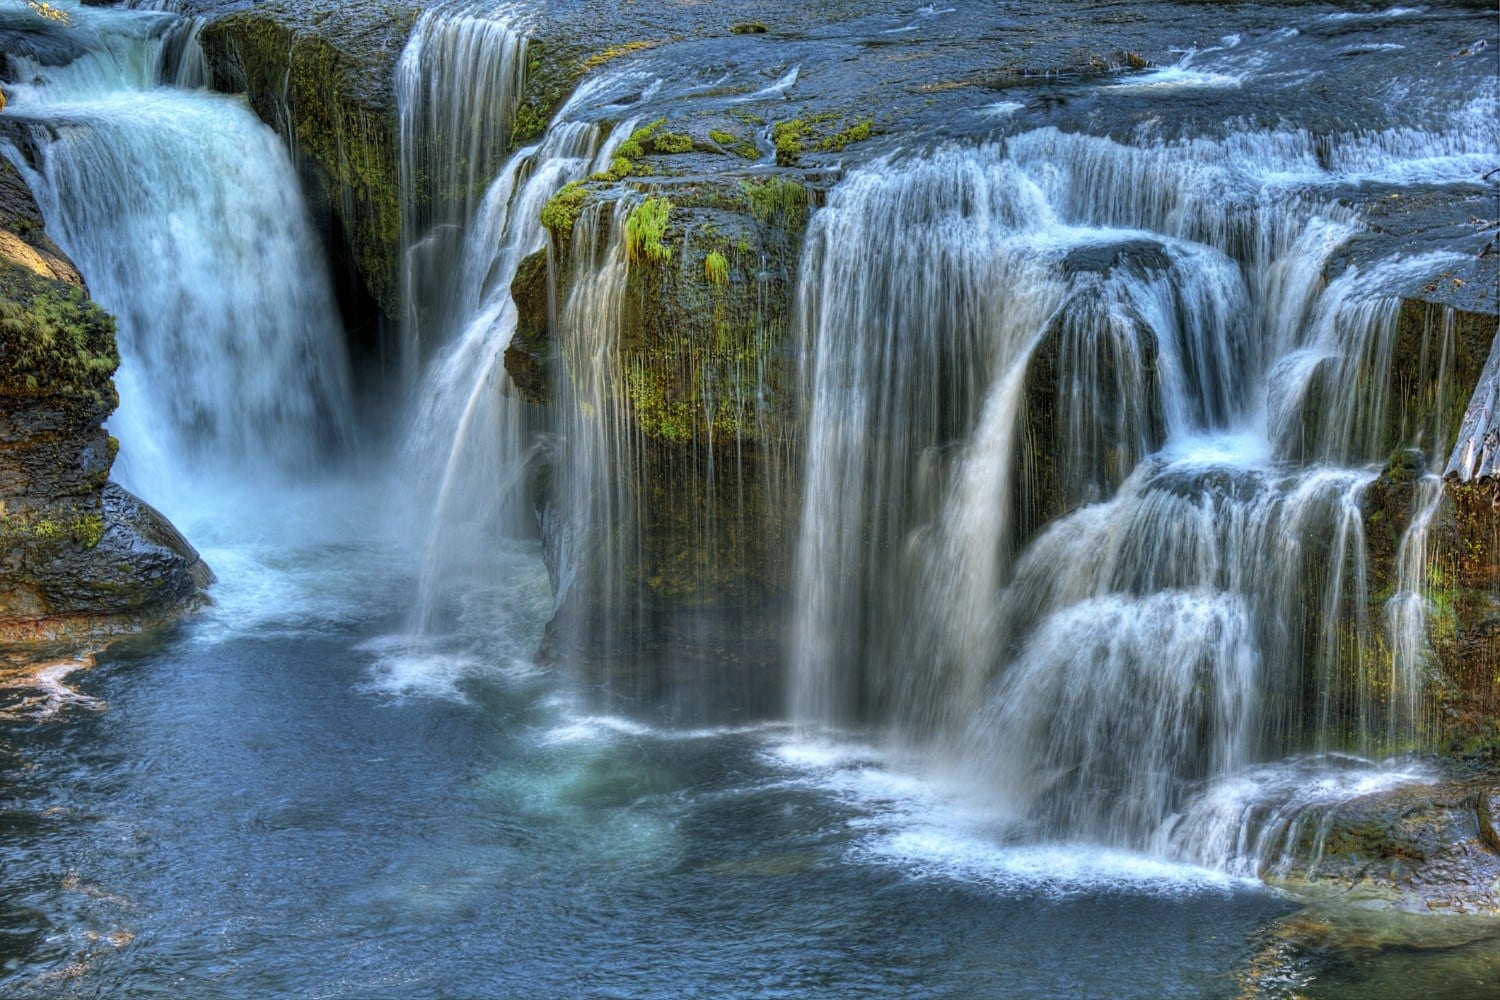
1001	109
1174	78
929	828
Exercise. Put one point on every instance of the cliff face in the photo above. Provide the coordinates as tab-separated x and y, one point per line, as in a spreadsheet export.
323	78
701	392
80	558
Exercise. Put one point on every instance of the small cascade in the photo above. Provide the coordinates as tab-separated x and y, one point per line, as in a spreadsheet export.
1090	444
472	439
231	354
597	539
457	86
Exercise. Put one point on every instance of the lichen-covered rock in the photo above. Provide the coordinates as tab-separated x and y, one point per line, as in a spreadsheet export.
80	558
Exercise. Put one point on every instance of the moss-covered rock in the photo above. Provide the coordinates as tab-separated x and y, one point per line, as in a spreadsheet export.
705	383
325	84
80	558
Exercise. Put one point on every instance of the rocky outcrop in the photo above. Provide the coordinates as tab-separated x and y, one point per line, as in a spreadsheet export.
705	390
321	75
80	558
1421	848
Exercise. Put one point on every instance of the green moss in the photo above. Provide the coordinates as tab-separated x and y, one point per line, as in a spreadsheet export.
561	211
743	148
614	52
716	269
54	341
644	230
787	136
748	28
673	142
816	132
619	169
528	125
858	132
777	195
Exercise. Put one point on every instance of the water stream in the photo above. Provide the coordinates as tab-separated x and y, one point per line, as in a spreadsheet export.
1082	643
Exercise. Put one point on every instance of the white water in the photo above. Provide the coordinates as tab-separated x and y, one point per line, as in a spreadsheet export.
1206	432
458	83
184	214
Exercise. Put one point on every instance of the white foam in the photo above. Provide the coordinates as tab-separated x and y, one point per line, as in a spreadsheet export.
1001	109
931	829
1174	78
1245	449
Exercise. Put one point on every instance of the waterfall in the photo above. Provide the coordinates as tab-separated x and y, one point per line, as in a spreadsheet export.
184	214
599	532
1089	440
457	86
472	439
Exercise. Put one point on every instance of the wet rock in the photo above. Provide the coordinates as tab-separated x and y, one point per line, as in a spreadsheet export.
1423	848
80	558
705	393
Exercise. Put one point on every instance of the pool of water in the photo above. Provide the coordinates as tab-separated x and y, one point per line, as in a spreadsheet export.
304	801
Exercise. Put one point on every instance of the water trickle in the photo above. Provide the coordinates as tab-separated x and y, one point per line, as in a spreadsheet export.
457	86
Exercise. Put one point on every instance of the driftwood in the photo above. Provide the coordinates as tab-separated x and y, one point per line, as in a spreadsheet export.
1476	455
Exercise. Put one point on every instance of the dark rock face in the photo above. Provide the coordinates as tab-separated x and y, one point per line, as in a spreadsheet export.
705	390
80	558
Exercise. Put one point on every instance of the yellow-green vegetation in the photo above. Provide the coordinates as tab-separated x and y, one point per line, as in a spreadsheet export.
645	229
673	142
816	132
55	342
561	211
788	138
748	28
858	132
740	147
48	12
614	52
716	269
84	530
635	147
619	169
777	195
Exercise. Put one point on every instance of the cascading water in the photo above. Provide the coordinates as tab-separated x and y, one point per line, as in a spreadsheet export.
471	441
1087	450
231	358
457	85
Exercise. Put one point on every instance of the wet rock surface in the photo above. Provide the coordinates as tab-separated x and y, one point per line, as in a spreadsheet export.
1422	848
80	558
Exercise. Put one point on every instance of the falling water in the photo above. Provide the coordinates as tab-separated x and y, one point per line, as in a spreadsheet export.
1089	436
457	85
471	444
232	363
